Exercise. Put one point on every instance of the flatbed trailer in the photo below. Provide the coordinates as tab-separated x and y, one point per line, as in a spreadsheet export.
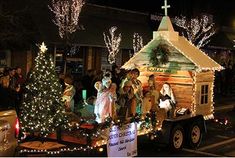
177	132
91	138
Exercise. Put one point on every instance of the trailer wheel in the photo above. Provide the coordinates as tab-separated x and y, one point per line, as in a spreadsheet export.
194	136
176	138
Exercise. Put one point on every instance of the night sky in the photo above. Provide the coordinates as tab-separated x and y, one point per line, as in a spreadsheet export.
223	10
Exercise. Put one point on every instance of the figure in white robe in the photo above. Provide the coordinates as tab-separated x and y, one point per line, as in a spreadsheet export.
105	102
167	99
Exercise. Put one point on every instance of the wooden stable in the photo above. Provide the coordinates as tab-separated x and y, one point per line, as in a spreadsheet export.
187	88
189	71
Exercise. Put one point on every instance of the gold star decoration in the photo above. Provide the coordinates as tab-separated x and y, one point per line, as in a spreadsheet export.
43	47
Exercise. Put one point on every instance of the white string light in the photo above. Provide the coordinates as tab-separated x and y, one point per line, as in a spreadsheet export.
112	42
137	42
198	30
145	129
199	68
42	94
66	15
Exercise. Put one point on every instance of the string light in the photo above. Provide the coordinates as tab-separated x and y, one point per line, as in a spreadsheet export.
199	68
144	128
137	42
42	110
112	42
196	30
66	15
193	105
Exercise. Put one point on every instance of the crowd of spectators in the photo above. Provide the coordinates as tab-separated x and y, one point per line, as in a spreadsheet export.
13	81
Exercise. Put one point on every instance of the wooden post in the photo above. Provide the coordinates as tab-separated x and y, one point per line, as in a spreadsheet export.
89	58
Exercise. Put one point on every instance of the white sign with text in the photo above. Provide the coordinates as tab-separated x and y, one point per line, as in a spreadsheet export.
122	141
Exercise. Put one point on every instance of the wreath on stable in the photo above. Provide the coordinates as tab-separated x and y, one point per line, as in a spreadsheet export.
159	55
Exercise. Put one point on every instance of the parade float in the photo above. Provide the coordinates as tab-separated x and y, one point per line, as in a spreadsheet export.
171	59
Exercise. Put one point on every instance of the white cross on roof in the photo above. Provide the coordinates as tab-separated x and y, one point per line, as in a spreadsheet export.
165	7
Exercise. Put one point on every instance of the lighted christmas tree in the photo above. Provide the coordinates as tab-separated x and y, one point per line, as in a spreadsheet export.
42	109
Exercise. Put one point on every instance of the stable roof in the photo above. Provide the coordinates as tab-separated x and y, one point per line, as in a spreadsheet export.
167	34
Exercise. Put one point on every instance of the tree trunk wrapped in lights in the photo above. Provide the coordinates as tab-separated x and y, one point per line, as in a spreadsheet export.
66	15
137	42
197	30
42	109
112	43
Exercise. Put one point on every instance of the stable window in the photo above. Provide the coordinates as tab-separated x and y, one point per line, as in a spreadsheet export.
204	94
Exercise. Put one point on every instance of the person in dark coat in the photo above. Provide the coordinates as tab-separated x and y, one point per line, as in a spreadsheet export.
5	97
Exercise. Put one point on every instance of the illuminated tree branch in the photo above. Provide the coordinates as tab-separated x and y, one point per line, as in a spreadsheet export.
66	15
197	30
112	42
137	42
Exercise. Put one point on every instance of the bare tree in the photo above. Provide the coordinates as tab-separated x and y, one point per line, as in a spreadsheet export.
137	42
112	42
197	30
66	15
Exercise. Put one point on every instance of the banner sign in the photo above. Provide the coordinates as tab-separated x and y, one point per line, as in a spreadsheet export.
155	69
122	141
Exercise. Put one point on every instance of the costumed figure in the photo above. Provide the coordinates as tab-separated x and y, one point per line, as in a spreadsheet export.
151	96
68	94
126	100
167	99
106	97
138	91
126	77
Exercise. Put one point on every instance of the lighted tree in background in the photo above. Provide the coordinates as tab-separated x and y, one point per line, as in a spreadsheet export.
66	15
197	30
42	109
137	42
112	42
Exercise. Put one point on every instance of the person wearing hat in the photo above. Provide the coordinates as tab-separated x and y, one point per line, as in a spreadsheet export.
126	100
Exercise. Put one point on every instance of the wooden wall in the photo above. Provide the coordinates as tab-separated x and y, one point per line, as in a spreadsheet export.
203	78
180	81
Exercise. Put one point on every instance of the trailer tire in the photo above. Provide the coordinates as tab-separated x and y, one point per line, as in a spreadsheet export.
194	135
176	138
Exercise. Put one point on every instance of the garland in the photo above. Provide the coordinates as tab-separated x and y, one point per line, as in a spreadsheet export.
149	120
159	55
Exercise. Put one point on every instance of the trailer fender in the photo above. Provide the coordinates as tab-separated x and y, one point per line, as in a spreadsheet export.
172	134
165	132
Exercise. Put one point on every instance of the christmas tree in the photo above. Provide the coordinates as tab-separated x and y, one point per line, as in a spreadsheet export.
42	109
